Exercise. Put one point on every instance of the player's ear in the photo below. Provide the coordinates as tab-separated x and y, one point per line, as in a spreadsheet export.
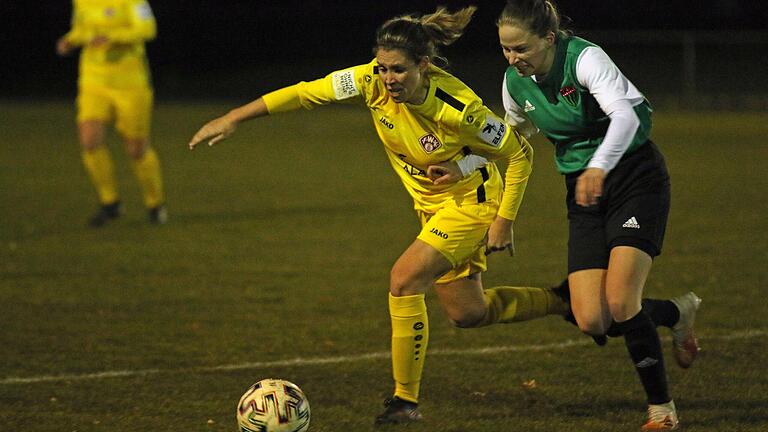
551	37
423	64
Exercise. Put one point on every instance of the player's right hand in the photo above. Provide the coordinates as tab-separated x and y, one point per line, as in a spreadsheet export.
63	47
214	131
444	172
500	236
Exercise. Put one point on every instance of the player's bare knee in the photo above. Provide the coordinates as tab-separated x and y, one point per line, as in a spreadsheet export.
621	312
135	148
404	284
592	327
91	134
90	141
468	320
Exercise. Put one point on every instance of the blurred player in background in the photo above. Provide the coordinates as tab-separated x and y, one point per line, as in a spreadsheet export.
618	188
423	116
114	85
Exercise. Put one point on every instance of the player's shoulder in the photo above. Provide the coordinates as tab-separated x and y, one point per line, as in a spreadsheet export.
363	75
576	44
458	99
452	91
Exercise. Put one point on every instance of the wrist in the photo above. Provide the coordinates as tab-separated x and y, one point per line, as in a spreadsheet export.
504	221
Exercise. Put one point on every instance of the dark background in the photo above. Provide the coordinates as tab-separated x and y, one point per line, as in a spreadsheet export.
239	49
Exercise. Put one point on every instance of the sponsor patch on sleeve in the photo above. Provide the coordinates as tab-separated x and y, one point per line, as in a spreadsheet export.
344	84
493	131
144	11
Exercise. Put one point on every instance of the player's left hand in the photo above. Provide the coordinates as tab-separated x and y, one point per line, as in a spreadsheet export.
501	236
444	172
214	131
589	187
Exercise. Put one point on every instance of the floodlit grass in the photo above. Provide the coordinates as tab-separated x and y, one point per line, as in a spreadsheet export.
279	246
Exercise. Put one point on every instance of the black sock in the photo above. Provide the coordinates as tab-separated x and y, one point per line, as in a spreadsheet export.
645	350
662	312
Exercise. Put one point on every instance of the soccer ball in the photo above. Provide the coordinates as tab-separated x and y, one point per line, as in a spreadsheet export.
273	405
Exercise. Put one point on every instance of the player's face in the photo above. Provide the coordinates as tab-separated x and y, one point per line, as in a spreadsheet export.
403	77
528	53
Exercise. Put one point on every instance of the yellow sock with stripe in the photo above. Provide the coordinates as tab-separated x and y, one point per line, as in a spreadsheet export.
410	334
98	164
147	170
512	304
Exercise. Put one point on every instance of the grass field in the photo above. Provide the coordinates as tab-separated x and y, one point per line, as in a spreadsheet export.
275	264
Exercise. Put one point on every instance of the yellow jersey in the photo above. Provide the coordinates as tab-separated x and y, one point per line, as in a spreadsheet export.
451	123
126	24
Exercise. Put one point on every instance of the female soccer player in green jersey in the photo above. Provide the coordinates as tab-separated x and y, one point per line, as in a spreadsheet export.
423	116
618	187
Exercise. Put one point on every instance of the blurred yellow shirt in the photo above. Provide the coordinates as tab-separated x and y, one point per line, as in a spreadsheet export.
451	123
127	24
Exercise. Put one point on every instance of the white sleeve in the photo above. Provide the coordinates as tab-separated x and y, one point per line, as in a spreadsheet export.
616	96
514	115
618	137
597	73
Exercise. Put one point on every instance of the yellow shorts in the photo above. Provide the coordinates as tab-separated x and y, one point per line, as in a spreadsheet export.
131	108
459	234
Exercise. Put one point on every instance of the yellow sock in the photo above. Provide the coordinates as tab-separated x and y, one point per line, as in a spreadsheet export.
512	304
98	164
147	170
410	334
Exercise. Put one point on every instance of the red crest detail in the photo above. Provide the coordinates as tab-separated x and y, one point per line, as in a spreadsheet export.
565	91
570	95
430	143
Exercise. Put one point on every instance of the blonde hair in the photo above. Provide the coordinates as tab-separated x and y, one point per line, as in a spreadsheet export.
420	36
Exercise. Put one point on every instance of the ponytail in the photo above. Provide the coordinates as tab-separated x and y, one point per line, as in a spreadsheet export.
418	37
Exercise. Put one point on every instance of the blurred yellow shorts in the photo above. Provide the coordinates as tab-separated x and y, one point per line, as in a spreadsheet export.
130	108
459	234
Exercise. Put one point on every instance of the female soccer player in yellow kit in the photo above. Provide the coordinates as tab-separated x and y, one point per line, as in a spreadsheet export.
424	116
114	84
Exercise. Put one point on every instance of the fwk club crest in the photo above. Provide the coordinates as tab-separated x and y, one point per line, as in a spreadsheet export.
429	143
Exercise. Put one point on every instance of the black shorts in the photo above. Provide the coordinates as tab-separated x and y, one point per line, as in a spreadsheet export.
632	211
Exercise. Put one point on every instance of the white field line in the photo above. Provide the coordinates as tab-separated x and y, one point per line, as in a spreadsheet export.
747	334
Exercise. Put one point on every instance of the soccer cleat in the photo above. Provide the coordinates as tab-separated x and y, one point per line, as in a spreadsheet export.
158	215
106	213
563	291
398	411
662	418
684	342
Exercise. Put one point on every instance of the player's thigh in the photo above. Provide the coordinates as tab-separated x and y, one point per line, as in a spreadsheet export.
459	233
627	272
463	300
133	111
588	300
94	110
417	269
638	207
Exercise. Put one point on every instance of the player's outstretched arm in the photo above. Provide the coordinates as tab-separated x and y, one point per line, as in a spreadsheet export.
222	127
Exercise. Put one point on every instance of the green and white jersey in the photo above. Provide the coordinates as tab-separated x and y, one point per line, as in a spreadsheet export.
585	106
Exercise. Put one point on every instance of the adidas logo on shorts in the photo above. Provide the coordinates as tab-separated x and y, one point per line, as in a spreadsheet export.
631	223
